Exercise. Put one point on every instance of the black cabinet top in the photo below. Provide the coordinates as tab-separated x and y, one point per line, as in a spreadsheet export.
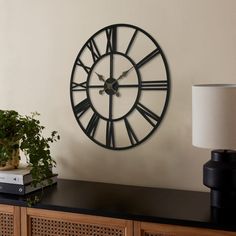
169	206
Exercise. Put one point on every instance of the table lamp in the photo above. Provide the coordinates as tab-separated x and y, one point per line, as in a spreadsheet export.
214	127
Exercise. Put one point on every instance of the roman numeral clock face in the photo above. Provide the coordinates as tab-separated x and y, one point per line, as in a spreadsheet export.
120	86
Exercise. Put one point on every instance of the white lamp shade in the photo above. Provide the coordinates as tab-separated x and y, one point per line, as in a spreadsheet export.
214	116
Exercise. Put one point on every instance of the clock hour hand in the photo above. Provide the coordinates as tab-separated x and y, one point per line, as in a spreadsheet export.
100	77
124	73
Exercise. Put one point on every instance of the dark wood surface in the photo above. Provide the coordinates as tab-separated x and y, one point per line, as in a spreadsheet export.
169	206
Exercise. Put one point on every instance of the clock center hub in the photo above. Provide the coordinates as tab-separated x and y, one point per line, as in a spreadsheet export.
111	86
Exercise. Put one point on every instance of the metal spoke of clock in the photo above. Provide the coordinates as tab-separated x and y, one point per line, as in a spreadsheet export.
96	86
110	137
111	64
83	88
128	85
147	85
110	106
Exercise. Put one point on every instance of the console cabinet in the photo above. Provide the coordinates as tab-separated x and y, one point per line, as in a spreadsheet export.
82	208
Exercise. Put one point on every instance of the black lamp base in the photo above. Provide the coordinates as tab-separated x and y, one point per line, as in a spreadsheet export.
223	216
223	198
219	174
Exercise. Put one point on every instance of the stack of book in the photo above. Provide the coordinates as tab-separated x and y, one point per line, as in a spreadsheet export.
18	181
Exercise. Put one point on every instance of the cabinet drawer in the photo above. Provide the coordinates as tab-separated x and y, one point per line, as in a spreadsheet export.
37	222
153	229
9	220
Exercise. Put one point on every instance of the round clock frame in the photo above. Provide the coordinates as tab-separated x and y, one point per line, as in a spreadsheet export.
110	87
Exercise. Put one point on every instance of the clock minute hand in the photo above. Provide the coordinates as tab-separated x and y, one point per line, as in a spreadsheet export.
125	73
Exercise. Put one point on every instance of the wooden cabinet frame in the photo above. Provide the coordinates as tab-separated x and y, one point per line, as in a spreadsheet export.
15	212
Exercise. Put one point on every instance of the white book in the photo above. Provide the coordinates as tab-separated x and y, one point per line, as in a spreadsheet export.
20	175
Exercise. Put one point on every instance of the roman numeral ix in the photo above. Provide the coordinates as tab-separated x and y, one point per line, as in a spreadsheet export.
79	86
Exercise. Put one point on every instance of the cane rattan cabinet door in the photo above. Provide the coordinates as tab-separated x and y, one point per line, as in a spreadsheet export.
38	222
153	229
9	220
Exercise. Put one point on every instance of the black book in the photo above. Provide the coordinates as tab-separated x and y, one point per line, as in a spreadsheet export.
20	189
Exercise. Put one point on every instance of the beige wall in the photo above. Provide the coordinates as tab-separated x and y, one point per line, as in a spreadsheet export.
39	40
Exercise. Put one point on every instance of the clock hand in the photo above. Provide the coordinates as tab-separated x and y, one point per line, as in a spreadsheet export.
100	77
125	73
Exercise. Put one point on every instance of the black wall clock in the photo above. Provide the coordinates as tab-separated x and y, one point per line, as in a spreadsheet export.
120	86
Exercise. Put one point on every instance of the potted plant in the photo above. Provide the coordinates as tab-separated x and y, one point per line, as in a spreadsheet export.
25	133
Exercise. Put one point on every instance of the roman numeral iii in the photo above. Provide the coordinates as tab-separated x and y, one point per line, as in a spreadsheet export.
154	85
